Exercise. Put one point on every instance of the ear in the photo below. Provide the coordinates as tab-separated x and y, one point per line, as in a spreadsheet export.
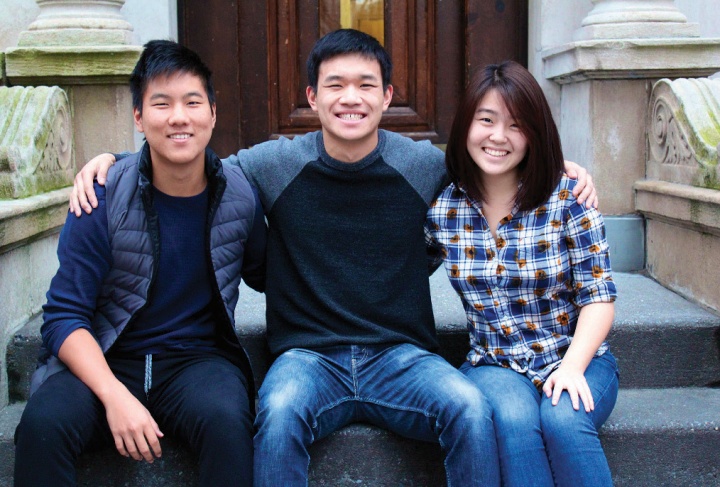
311	98
387	97
213	107
137	117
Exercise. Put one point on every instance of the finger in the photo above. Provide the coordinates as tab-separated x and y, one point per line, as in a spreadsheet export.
143	446
588	398
557	391
132	448
120	446
548	387
153	438
74	203
574	398
592	201
88	188
102	173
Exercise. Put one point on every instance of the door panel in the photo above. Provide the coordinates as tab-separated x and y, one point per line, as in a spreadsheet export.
257	51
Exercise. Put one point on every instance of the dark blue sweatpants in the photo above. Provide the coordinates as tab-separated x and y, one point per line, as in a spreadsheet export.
199	399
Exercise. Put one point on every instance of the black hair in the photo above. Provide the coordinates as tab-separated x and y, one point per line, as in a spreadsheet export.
347	41
541	168
164	58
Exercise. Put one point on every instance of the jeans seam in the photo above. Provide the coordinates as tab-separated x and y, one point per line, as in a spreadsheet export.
328	407
397	407
607	384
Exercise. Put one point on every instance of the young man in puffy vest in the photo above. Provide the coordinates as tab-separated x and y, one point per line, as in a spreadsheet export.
138	334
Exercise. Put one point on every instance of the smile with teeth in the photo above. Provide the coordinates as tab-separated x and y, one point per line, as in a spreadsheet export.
180	136
495	152
351	116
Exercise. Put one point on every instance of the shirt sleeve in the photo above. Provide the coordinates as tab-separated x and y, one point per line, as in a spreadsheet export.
253	270
85	259
589	256
435	251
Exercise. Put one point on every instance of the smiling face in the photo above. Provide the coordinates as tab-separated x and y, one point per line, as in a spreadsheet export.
350	101
177	120
495	142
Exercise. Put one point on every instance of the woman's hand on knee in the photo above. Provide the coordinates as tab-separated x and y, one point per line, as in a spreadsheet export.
572	381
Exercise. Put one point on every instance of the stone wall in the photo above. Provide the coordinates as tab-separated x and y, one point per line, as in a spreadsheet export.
681	197
35	170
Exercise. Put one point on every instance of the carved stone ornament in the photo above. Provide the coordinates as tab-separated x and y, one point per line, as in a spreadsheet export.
684	132
36	153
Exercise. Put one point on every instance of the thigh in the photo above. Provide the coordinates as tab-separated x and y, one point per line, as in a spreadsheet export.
67	413
602	377
309	387
513	397
193	392
410	391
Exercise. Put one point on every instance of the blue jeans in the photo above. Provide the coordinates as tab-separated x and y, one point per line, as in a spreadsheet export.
308	394
571	453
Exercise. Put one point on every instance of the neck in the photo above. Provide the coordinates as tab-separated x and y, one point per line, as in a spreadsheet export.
179	181
501	189
349	151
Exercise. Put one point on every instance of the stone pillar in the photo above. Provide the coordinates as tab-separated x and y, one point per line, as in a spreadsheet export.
635	19
78	23
606	75
83	46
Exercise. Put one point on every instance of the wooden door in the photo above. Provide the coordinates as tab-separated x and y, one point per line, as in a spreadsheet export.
257	51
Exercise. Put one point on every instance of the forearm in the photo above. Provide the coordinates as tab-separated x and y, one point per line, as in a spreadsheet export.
83	356
593	326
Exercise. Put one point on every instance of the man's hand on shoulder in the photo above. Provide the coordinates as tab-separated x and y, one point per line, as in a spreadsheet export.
584	190
83	194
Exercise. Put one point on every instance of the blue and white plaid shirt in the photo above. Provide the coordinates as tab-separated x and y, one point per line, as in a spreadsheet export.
523	291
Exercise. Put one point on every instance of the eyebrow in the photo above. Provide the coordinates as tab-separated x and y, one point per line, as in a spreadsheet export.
163	96
486	110
337	77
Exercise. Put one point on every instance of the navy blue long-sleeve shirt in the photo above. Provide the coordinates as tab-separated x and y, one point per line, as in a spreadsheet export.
177	315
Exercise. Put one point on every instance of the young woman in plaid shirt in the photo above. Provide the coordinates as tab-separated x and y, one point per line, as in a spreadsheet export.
531	266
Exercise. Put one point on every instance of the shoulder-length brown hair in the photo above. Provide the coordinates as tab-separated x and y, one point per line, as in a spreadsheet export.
541	169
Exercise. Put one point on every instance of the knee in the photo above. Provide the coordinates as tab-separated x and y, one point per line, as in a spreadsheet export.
516	415
37	425
280	404
230	416
468	404
562	423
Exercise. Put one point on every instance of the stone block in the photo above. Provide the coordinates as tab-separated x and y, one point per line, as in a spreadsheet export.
684	132
35	141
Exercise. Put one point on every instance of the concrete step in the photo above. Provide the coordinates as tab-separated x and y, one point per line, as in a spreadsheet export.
659	338
654	437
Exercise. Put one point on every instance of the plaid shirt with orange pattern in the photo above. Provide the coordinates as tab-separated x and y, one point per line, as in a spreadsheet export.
523	290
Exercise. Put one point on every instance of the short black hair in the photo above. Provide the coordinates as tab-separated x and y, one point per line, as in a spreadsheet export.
163	58
541	169
347	41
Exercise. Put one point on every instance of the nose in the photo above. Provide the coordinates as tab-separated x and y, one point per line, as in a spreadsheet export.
178	115
350	96
498	134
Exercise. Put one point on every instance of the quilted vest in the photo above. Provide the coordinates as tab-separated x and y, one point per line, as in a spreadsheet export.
135	243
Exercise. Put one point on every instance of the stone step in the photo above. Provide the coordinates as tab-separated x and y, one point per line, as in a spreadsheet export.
659	338
653	437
